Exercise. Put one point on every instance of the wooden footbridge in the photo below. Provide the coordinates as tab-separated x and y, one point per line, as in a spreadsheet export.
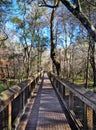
47	103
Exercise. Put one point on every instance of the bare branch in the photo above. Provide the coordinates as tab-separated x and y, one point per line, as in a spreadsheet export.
91	3
4	2
44	4
3	36
82	18
78	6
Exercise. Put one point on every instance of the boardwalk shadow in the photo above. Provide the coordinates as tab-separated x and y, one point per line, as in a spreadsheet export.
52	122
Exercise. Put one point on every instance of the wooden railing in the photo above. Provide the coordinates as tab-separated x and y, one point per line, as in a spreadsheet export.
79	102
13	101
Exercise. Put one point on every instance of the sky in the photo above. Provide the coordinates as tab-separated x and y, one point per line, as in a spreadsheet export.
12	28
15	33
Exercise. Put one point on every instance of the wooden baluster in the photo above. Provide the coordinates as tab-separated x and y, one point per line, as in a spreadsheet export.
60	88
88	118
9	116
71	100
63	91
23	99
57	84
1	121
94	120
54	82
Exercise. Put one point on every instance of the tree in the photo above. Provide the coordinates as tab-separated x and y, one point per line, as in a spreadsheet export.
55	61
53	45
76	10
89	11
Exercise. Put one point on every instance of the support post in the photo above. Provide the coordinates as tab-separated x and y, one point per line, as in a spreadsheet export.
63	91
23	101
88	118
9	116
71	100
94	120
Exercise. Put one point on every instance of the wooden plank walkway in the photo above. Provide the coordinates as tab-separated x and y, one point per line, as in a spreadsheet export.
47	113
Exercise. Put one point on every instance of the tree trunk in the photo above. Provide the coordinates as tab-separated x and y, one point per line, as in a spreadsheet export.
92	60
38	63
87	68
8	75
77	12
53	46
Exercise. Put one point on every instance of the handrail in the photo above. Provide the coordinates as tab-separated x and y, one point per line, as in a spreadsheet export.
73	92
13	100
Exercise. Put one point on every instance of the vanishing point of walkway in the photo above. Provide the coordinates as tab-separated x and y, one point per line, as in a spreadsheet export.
46	112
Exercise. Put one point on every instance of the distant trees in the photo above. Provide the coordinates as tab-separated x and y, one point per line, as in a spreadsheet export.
26	25
23	28
80	9
29	29
88	9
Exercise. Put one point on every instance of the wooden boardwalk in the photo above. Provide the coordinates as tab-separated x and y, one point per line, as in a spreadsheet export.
46	112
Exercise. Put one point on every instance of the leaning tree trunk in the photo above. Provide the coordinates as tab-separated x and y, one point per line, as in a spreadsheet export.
77	12
53	45
92	60
87	68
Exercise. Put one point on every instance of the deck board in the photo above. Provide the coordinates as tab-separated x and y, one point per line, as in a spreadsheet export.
47	113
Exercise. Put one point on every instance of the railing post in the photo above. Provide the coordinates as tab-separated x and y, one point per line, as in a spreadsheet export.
1	116
57	86
88	118
63	91
71	100
9	116
23	99
94	120
54	82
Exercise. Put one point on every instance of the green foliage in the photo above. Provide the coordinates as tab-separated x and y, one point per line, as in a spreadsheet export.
3	86
80	81
17	20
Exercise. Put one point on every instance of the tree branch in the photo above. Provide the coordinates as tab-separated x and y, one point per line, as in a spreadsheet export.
4	2
78	6
44	4
3	36
91	3
82	18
